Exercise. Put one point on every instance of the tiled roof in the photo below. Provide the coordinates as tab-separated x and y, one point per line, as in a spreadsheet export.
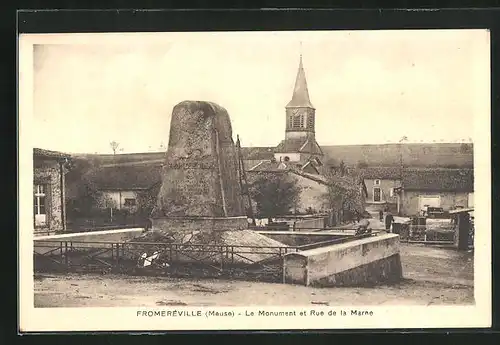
439	180
49	154
125	158
299	145
127	177
381	173
270	166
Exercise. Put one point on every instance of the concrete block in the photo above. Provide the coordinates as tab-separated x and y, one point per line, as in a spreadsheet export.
356	263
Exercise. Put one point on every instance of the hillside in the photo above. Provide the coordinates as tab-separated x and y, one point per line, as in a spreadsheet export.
446	155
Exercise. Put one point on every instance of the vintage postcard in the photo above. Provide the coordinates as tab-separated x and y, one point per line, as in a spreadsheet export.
254	180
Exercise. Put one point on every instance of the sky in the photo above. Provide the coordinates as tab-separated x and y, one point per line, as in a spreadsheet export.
368	87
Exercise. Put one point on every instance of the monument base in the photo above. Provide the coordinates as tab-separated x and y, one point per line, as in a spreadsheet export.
202	224
360	262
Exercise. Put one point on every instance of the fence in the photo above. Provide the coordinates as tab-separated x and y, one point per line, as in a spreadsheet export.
205	260
175	259
428	234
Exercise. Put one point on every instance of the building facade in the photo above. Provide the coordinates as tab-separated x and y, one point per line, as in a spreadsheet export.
381	186
122	186
446	188
49	170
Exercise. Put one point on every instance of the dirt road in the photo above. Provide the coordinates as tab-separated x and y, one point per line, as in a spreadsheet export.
432	276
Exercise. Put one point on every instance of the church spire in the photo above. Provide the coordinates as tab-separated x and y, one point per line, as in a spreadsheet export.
300	98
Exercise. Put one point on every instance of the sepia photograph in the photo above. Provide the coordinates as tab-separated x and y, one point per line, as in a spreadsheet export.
254	180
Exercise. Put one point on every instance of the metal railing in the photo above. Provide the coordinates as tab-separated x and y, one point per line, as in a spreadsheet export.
172	258
443	234
263	263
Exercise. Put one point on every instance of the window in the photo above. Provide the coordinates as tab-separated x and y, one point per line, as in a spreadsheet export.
376	182
129	202
39	200
376	194
391	192
298	121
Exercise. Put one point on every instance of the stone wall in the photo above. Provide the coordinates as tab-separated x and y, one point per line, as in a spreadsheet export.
44	244
299	239
309	224
47	173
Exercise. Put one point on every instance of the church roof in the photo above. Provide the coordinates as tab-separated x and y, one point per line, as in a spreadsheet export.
302	145
300	96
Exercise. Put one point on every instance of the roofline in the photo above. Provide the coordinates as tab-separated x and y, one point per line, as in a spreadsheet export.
413	189
462	210
382	178
299	106
124	189
268	171
37	152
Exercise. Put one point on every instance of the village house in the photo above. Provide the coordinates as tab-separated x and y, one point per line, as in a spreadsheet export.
122	185
446	188
381	183
49	170
421	187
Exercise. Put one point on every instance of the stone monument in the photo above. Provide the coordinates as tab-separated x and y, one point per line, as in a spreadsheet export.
200	188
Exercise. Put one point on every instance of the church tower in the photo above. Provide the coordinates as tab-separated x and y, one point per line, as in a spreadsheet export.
300	143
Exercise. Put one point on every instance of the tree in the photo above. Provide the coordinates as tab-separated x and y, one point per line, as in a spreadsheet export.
83	196
114	146
345	192
275	194
146	200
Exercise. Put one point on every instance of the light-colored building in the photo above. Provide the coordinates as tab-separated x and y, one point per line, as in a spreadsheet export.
446	188
381	185
121	185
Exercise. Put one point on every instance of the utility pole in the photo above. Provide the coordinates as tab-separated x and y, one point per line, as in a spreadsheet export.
244	181
401	172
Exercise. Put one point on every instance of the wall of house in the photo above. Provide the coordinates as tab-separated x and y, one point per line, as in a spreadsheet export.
312	195
47	173
448	200
294	157
385	189
118	198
